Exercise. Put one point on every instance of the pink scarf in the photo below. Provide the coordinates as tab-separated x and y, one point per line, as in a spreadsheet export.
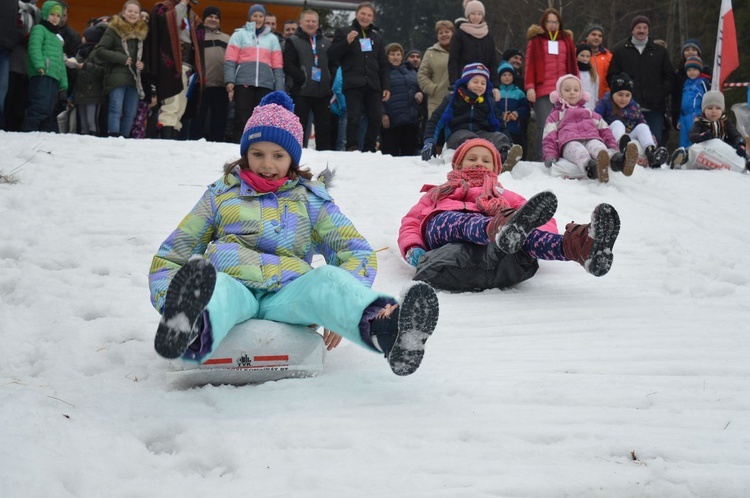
260	184
490	202
476	30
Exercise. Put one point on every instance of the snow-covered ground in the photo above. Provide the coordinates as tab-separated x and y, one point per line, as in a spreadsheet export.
634	384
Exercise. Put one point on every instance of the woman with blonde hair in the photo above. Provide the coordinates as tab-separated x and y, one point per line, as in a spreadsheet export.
433	72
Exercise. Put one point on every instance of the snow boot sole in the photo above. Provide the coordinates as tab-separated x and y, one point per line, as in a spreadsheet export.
602	166
534	213
417	319
188	295
514	155
604	228
631	157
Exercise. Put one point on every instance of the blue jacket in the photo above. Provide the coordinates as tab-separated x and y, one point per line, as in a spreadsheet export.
512	99
401	108
690	107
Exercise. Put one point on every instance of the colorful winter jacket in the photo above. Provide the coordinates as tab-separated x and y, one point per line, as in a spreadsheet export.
215	51
631	116
263	240
254	60
723	129
513	99
565	124
46	51
120	42
413	225
692	98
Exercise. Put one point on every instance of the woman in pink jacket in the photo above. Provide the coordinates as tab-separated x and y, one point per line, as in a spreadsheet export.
582	137
473	207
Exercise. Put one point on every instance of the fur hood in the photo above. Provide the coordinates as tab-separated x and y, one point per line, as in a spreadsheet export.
126	30
535	30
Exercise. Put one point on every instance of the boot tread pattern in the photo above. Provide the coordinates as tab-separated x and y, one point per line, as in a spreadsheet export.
535	212
418	317
604	228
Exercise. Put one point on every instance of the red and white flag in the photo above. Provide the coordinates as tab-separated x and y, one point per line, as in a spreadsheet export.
726	58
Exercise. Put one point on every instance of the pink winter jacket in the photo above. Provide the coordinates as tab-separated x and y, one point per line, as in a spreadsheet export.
573	123
414	223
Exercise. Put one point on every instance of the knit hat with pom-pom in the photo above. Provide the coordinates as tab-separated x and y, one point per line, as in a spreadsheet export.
462	149
274	121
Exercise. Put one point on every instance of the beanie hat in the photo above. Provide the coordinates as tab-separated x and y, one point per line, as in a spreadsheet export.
713	97
691	42
473	6
593	27
93	34
505	67
639	20
256	8
694	62
413	51
393	47
511	52
620	82
462	149
555	96
583	47
51	7
274	121
474	69
211	11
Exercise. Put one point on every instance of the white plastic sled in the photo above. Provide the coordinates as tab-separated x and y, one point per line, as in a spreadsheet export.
254	352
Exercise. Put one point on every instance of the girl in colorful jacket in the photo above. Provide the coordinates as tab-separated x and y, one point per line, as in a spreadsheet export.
581	136
245	251
473	207
46	68
253	65
625	119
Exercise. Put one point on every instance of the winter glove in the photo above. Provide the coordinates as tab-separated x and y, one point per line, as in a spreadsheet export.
428	151
741	150
550	161
413	255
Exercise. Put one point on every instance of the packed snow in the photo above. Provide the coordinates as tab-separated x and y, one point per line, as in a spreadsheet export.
633	384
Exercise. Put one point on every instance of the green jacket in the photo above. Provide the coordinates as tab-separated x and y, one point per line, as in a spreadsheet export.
120	42
46	52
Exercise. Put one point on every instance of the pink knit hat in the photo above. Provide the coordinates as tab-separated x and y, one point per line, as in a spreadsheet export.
274	121
473	6
462	149
554	97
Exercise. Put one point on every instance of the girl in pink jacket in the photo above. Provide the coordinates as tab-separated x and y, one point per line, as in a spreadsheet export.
581	136
473	207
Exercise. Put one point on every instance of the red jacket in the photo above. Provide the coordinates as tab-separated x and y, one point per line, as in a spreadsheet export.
542	68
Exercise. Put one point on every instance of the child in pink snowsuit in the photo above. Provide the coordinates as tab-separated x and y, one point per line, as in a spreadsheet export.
473	207
581	136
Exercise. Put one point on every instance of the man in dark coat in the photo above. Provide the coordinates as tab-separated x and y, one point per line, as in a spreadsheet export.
360	51
9	38
174	52
649	66
306	65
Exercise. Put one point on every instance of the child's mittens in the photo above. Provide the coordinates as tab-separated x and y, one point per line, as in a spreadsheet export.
412	255
741	150
428	151
550	161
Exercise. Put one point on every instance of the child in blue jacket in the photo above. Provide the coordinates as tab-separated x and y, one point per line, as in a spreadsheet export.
513	106
696	86
245	251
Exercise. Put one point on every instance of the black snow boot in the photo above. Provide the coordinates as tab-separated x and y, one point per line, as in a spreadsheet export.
510	227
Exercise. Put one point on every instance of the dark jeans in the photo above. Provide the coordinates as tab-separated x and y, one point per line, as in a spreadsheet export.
357	100
4	75
655	120
40	114
215	108
321	109
246	99
399	141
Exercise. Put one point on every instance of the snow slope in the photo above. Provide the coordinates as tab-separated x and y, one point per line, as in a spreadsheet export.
634	384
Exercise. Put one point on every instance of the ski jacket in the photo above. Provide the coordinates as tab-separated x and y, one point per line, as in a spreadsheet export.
631	116
723	129
573	123
433	76
299	60
461	116
652	73
46	52
467	49
680	76
413	225
338	100
401	108
215	50
542	68
120	42
264	240
361	69
692	96
601	62
513	99
254	60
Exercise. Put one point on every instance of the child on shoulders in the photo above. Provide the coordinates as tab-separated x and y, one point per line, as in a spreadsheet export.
625	119
245	251
581	137
472	234
717	142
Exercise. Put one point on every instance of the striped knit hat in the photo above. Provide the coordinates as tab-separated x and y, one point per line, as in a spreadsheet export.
473	69
274	121
694	62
